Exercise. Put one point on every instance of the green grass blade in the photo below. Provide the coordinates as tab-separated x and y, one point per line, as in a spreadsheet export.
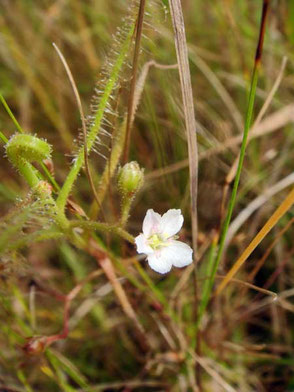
248	120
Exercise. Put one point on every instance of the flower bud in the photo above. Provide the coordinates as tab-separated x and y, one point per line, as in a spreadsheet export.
130	178
43	188
35	345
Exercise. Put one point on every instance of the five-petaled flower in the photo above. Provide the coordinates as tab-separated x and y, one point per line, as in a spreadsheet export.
159	241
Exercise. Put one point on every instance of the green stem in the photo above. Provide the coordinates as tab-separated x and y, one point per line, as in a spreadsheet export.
94	130
249	113
103	227
11	115
39	236
125	209
30	174
3	138
235	187
206	289
239	169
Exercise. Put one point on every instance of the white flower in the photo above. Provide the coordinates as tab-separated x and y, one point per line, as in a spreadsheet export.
158	241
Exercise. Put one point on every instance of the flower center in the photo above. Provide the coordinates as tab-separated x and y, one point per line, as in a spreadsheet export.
156	241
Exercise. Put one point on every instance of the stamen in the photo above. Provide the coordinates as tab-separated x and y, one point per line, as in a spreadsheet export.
157	241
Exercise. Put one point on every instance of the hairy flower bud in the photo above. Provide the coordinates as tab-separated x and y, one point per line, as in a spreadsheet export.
44	188
27	148
130	178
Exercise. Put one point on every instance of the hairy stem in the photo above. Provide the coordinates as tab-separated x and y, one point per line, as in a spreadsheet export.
134	78
94	130
103	227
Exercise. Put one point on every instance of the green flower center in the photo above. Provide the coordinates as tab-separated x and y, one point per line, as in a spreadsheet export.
156	241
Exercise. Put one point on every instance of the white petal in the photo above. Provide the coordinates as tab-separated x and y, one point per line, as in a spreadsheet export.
151	223
171	223
177	253
158	263
142	246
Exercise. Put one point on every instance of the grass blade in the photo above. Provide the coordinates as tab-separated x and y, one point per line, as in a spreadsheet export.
248	119
272	221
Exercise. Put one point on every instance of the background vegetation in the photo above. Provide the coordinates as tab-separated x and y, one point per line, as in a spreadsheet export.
245	335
